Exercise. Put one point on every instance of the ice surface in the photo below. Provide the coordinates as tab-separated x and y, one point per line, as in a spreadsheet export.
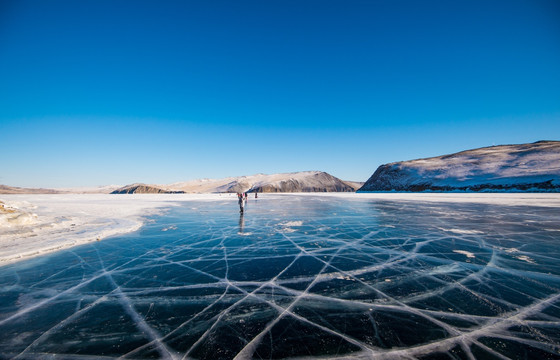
300	276
39	224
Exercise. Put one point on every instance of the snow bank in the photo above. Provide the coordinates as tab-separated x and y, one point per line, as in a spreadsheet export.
503	199
33	225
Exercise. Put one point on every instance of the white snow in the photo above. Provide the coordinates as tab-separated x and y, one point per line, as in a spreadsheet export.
526	259
468	254
462	231
39	224
102	189
33	225
221	185
492	164
292	223
507	199
288	226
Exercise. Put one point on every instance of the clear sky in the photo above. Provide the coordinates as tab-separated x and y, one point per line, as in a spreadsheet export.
115	92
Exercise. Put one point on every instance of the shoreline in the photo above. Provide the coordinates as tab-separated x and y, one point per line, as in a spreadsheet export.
33	225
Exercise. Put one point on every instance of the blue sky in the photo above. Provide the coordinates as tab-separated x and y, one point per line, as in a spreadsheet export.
115	92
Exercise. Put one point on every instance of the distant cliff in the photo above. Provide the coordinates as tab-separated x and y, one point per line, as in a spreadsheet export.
526	167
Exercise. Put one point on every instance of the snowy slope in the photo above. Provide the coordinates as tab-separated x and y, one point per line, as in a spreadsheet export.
525	167
305	181
143	189
33	225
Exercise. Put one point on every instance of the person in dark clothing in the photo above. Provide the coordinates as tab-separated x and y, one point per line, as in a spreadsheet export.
241	202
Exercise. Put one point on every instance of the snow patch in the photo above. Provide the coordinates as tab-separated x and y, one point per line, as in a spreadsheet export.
468	254
462	231
292	223
33	225
526	259
288	226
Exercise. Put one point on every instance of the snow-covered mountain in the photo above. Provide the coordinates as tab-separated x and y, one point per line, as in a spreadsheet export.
524	167
306	181
143	189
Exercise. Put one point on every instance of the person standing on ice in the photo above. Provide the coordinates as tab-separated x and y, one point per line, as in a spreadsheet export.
241	202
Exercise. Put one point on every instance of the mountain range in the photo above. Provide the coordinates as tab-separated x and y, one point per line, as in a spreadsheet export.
4	189
305	181
533	167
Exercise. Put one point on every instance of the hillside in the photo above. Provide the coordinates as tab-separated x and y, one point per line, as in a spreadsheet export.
4	189
306	181
143	189
104	189
525	167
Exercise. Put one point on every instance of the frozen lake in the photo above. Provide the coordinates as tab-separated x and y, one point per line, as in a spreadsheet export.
298	276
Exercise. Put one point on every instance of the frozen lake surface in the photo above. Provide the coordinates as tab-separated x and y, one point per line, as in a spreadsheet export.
298	276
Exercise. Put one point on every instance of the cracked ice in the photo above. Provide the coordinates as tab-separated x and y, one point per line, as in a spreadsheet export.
298	276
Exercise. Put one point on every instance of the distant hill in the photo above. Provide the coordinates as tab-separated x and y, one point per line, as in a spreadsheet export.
526	167
105	189
305	181
354	184
143	189
4	189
